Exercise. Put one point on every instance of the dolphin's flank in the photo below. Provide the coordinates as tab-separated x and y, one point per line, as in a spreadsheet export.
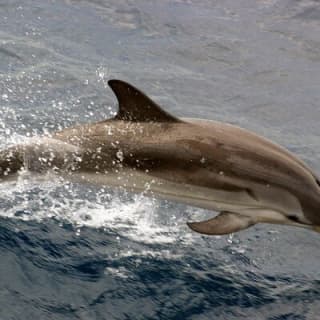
208	164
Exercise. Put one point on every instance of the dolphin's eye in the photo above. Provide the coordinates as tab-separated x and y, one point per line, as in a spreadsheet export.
318	182
293	218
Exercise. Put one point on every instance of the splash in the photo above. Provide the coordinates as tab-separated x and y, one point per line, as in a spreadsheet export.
41	197
134	216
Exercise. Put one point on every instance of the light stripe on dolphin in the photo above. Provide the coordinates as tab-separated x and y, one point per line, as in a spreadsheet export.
217	166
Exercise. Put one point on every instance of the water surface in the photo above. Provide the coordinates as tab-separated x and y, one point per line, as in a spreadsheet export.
78	252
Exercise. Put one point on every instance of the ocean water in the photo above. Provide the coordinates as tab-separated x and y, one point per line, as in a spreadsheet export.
71	251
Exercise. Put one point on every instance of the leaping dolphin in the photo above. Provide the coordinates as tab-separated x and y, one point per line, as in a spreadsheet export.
212	165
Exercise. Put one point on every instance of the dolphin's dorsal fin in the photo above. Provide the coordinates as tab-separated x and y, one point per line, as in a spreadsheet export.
134	105
224	223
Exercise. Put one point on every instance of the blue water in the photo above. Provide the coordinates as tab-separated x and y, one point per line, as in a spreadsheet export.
72	251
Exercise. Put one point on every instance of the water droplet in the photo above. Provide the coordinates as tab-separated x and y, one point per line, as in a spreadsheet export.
119	155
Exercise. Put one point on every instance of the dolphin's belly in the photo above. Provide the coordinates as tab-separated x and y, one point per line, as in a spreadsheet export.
207	198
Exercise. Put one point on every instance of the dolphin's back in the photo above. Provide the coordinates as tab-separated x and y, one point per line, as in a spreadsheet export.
258	157
252	138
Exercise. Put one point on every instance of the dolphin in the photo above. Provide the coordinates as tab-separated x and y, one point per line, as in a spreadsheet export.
246	178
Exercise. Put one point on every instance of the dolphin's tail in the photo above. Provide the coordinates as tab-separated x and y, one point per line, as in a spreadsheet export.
11	161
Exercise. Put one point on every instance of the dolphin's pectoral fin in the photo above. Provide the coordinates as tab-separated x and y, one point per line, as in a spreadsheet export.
134	105
224	223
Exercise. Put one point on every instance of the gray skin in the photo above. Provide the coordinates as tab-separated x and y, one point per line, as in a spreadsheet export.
208	164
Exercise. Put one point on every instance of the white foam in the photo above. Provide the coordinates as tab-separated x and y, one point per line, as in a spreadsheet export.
135	217
120	272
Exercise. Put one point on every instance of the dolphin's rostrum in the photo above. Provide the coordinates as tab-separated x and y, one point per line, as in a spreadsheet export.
208	164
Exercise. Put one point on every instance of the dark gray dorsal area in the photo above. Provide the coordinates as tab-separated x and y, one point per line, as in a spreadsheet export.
134	105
